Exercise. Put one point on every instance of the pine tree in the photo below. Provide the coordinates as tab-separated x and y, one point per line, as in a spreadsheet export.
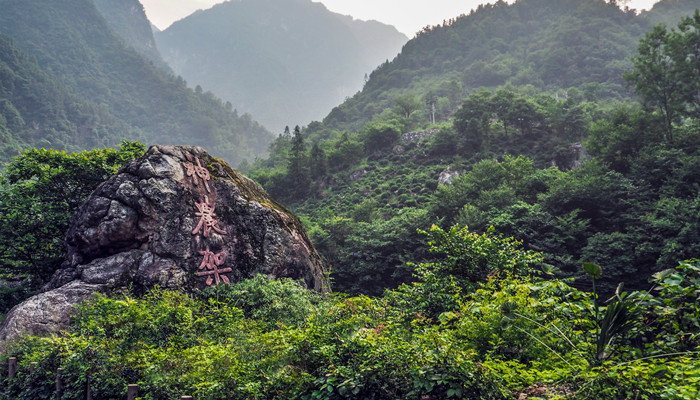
318	162
297	170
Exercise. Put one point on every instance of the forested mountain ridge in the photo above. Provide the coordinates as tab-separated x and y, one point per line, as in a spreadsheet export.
574	172
129	19
38	111
548	44
286	62
72	41
669	12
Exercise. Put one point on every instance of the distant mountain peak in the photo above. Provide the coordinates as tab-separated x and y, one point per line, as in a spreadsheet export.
287	62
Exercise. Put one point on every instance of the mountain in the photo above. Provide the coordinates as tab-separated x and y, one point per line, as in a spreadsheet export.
36	110
72	41
509	104
129	19
670	12
285	61
549	45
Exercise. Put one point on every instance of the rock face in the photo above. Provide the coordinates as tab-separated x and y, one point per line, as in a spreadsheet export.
447	176
571	157
177	218
413	136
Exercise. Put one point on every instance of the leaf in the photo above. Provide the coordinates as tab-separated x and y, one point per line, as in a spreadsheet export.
593	270
661	275
549	269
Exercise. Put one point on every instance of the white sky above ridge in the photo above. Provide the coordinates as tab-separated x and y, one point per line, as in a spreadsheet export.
408	16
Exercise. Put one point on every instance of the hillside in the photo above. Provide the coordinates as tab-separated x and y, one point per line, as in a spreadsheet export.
36	110
670	12
286	62
549	45
562	159
73	42
129	20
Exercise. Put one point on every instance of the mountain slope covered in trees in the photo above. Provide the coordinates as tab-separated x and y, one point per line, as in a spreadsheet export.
36	110
575	167
549	45
129	19
71	41
285	61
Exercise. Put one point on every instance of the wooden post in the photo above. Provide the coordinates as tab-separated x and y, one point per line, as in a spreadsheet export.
88	390
12	367
132	391
59	384
32	367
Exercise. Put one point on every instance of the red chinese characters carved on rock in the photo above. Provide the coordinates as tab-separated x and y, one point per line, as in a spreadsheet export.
198	171
210	264
206	218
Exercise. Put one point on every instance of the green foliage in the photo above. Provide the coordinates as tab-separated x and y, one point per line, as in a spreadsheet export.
511	335
372	254
345	154
547	45
465	260
620	137
41	189
470	257
675	310
379	136
274	302
664	76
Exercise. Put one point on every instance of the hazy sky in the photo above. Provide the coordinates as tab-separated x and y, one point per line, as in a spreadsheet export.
408	16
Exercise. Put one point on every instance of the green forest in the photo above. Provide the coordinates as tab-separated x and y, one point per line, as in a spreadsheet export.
70	82
507	210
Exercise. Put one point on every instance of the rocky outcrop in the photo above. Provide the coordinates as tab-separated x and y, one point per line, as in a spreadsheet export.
357	175
570	157
413	136
446	176
177	218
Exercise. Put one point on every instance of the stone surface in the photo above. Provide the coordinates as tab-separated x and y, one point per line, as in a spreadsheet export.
357	175
446	176
570	157
46	312
413	136
159	222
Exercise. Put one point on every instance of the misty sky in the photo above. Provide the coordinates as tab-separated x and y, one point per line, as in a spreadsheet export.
408	16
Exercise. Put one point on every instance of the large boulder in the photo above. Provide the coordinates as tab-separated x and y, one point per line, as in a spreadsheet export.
177	218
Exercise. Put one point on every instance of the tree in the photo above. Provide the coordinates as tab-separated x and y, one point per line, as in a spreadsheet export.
406	105
471	120
380	135
685	46
655	79
40	191
318	162
666	71
501	103
431	100
297	170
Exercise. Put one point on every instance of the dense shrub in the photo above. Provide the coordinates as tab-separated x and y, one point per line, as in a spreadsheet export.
506	336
